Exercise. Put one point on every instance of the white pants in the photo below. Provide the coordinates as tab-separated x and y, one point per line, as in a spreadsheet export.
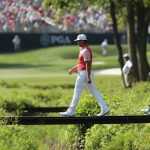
128	80
81	82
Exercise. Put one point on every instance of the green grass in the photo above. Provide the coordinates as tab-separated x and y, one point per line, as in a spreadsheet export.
54	60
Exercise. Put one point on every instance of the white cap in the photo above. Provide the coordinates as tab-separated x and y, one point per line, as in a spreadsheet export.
125	55
81	37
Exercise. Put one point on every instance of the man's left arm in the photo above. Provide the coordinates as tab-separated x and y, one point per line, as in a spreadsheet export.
87	59
88	70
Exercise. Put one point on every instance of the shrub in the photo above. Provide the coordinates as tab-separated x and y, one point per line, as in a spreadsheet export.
98	136
88	106
17	138
118	137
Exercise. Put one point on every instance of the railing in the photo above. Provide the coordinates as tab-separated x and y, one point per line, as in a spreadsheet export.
40	120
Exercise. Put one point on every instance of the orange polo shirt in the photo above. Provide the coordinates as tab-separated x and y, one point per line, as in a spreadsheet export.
85	54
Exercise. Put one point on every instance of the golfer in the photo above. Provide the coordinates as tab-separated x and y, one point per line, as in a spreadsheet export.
85	78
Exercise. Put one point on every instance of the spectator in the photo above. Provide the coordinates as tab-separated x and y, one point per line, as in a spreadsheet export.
17	43
18	15
127	71
104	46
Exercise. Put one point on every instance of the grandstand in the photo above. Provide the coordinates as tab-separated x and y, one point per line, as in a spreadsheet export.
15	17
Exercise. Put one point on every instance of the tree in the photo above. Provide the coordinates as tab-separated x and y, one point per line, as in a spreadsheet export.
143	20
137	37
131	37
137	18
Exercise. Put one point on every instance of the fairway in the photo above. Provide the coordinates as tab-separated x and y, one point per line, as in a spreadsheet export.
26	73
50	61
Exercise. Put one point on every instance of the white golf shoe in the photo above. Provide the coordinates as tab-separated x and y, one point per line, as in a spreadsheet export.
104	112
67	113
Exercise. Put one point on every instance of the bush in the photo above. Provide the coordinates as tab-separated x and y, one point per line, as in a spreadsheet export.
74	135
98	136
17	138
118	137
122	137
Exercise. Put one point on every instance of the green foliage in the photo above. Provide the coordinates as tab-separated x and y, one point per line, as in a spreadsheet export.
28	95
88	106
112	137
75	134
115	137
17	138
97	136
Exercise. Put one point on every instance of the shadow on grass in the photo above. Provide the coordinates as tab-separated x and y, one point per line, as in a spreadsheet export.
20	66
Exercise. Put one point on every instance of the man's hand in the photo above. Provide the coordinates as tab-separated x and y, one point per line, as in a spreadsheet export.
88	70
89	80
70	71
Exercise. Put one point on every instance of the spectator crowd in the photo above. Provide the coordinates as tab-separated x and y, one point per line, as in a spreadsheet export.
18	16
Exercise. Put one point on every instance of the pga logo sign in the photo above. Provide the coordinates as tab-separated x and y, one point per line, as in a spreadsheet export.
47	40
60	39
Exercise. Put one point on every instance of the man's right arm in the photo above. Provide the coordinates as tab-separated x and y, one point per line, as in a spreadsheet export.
73	69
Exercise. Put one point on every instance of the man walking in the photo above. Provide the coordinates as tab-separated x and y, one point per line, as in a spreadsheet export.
85	78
